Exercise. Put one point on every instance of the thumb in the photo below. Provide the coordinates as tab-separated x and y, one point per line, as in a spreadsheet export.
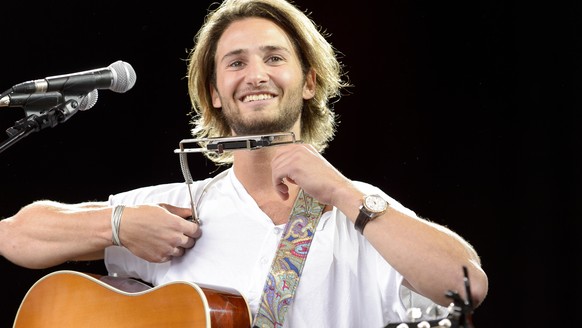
183	212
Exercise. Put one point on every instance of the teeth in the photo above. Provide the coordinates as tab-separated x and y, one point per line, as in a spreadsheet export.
257	97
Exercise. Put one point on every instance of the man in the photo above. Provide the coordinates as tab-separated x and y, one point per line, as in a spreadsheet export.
258	68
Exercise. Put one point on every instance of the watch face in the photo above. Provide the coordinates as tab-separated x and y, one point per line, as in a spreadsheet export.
375	203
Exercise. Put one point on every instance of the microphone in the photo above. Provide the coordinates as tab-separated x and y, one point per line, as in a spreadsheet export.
49	100
87	101
118	77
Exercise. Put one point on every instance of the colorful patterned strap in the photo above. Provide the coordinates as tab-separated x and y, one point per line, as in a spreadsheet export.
288	262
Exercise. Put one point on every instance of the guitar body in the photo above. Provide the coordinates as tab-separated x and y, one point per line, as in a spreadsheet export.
73	299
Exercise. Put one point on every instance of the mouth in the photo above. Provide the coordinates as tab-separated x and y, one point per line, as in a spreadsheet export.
256	97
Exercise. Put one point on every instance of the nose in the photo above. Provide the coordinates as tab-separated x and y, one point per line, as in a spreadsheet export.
256	73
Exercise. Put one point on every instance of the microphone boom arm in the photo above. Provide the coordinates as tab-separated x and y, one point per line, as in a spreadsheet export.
37	120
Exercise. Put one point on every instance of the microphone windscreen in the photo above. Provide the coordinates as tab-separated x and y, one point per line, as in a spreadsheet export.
124	76
89	100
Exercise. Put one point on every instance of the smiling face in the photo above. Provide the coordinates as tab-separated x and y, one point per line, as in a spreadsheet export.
260	86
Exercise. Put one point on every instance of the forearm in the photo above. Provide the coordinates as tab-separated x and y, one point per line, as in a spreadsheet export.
45	234
429	256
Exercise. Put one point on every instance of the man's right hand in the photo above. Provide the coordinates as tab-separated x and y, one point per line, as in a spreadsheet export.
157	233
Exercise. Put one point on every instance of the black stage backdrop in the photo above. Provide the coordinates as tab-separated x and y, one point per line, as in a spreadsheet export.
463	111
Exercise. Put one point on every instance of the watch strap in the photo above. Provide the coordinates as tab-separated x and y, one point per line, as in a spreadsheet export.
361	221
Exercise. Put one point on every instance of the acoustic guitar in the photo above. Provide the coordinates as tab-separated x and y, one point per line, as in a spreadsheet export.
74	299
81	300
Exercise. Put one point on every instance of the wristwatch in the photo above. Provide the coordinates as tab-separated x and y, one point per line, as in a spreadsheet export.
372	206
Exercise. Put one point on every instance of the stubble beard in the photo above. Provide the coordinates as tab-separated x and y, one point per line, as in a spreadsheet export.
284	120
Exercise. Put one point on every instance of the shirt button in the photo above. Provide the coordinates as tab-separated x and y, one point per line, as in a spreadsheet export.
277	230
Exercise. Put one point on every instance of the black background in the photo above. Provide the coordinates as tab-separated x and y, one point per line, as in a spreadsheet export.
464	111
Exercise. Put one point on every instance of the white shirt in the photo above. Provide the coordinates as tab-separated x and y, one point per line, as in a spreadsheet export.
345	282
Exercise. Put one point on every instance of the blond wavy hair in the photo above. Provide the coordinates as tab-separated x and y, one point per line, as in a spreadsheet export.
318	120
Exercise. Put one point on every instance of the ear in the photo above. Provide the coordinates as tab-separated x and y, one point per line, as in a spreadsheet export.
215	97
309	86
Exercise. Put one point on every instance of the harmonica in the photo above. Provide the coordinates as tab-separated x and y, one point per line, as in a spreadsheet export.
222	144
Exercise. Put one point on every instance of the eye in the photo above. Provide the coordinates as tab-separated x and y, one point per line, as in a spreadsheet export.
236	63
275	59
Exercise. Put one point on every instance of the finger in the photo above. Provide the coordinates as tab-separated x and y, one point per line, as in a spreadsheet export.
188	242
183	212
165	259
282	188
197	233
191	229
178	251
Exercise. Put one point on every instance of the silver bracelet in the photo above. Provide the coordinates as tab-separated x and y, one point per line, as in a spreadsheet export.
115	223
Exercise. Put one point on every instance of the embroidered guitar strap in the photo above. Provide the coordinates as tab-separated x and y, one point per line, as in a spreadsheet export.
287	265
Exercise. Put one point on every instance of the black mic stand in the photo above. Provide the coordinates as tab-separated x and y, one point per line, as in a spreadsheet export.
39	118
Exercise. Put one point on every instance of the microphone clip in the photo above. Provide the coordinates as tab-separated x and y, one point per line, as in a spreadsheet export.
36	120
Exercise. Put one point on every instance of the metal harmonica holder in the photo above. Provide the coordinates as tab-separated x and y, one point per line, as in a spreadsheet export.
220	145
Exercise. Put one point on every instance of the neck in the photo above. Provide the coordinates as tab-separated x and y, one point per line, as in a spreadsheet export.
253	170
253	167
